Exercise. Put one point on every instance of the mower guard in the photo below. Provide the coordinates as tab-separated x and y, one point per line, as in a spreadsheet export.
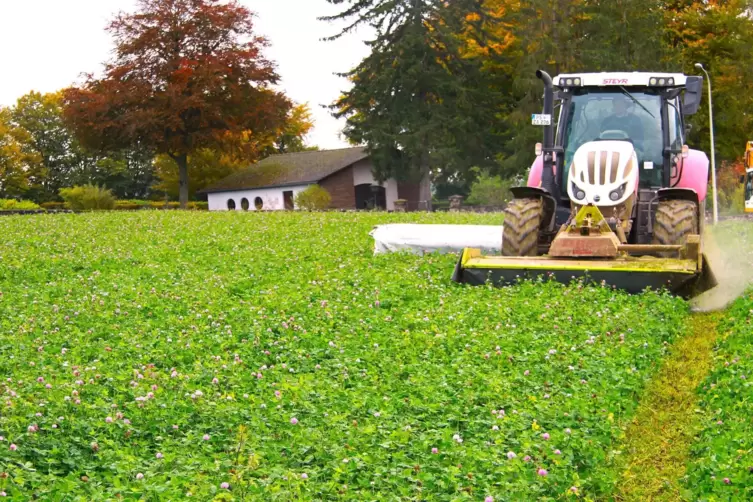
683	277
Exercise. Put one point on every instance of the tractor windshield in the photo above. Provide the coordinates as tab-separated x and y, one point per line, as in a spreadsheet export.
596	114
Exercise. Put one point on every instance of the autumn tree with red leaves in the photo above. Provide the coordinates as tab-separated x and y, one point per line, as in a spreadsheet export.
184	73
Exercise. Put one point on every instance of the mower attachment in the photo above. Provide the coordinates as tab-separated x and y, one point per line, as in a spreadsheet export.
587	249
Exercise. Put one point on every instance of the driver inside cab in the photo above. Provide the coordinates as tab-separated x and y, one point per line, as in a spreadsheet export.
621	120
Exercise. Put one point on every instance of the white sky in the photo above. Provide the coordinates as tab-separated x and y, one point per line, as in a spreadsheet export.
47	44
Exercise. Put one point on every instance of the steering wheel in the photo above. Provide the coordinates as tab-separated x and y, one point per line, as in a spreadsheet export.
614	134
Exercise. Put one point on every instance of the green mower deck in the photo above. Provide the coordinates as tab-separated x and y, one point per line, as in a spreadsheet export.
631	274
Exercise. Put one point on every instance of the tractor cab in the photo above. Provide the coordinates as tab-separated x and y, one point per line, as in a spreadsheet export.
644	109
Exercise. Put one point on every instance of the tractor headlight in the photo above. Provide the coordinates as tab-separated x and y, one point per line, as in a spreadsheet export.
616	195
579	194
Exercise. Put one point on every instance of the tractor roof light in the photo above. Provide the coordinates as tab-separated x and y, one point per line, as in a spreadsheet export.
662	81
570	81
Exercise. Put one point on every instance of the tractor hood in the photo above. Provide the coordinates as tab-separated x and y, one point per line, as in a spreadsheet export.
603	173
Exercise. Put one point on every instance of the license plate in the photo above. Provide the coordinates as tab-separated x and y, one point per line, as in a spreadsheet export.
541	119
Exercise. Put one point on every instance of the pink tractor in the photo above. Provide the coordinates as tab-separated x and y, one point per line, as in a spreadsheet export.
614	194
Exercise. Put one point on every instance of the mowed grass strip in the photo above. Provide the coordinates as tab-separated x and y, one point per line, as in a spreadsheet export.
657	441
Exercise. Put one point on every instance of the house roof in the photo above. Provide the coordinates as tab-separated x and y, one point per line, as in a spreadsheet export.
290	169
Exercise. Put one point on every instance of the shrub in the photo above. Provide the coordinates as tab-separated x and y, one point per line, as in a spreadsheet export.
133	202
125	205
53	205
314	198
15	205
488	190
164	205
88	197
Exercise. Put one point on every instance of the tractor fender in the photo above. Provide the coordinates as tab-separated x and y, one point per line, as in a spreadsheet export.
677	194
694	174
550	203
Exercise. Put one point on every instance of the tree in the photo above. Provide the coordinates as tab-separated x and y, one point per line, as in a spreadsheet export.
234	152
184	73
419	103
291	137
41	116
208	167
20	165
127	172
719	35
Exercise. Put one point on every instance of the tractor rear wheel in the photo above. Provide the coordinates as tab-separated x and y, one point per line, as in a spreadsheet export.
675	220
520	234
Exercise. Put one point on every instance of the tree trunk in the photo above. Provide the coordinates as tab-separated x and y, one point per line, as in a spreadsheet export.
182	161
424	188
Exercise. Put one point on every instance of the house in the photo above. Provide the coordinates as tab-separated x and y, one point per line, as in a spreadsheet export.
273	183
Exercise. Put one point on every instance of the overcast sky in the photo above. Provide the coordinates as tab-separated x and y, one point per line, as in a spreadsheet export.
47	44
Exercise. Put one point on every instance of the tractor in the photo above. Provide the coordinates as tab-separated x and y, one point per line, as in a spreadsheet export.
614	195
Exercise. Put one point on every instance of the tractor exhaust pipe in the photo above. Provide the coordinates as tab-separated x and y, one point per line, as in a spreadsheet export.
548	180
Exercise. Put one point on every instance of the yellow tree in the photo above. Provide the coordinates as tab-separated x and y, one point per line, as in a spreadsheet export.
21	166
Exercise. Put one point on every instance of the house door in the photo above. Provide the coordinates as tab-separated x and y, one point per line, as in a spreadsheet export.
287	197
370	196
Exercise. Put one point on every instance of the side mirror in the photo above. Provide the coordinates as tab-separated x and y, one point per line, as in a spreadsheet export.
692	100
742	179
688	129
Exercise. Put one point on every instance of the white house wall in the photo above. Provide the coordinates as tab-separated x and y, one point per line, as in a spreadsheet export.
271	197
362	175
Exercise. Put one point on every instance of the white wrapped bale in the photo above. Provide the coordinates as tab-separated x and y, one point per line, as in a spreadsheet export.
421	239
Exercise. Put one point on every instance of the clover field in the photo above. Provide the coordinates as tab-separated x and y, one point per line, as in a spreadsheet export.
234	356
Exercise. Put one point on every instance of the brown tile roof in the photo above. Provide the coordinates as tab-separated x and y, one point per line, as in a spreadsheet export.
290	169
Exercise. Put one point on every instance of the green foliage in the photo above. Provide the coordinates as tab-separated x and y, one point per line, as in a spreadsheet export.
21	168
488	190
724	446
88	197
418	101
53	205
731	201
207	167
66	163
16	205
313	198
380	359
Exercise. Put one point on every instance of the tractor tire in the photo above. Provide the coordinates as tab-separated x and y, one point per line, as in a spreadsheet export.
520	234
675	220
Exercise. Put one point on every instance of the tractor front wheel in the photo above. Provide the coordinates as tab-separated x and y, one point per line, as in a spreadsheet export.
675	220
520	234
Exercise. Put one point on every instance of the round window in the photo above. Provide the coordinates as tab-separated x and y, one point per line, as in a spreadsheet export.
244	204
231	204
258	203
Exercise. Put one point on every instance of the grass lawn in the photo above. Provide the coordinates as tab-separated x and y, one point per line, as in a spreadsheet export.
721	466
271	356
